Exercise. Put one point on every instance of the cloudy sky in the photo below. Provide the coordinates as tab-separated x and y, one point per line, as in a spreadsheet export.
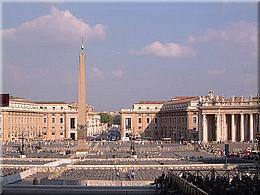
135	51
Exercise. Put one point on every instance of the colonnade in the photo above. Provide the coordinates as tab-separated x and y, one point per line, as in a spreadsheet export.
229	127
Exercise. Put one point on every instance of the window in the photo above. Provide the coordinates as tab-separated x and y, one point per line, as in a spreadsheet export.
53	133
53	108
147	108
148	120
194	119
139	127
44	120
128	123
61	133
155	120
61	120
72	123
140	120
156	108
53	120
139	108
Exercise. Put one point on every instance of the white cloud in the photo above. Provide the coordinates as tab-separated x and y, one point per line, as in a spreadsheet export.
241	36
118	73
165	50
58	25
216	71
96	72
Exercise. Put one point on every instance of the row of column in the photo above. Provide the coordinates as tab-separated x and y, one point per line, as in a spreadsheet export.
224	127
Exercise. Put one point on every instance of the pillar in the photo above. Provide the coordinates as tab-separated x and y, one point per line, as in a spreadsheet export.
251	127
224	127
218	129
205	128
258	123
200	127
233	128
242	128
122	126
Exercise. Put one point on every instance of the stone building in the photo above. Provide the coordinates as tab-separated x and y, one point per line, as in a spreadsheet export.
228	119
44	120
140	120
206	118
176	119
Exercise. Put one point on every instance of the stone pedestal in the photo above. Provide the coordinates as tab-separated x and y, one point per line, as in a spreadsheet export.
82	143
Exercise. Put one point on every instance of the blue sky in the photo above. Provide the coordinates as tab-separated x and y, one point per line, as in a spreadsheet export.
135	51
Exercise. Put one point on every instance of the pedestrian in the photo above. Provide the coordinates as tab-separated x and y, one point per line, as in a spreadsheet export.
133	174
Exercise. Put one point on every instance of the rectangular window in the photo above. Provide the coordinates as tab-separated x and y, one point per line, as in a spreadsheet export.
72	123
44	120
53	120
53	133
140	120
148	120
155	120
128	123
194	119
61	120
61	133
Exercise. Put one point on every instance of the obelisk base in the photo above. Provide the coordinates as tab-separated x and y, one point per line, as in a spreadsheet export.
82	143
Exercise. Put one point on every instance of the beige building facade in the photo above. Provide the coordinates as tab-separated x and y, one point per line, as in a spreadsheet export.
176	119
204	118
45	120
228	119
140	120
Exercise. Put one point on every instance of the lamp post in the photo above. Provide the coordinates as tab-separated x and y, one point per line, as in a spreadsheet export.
132	148
22	154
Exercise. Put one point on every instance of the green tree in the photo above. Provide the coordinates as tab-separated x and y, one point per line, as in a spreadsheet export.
117	120
106	118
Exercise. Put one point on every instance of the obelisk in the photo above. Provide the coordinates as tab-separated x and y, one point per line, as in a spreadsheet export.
82	127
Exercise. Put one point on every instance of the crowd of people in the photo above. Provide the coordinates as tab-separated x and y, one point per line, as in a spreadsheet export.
243	184
223	185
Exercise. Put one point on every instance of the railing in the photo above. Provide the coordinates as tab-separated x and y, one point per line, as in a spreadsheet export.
184	186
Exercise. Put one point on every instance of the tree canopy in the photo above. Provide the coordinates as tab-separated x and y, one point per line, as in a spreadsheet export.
106	118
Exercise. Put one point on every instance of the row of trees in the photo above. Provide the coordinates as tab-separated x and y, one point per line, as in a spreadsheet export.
110	119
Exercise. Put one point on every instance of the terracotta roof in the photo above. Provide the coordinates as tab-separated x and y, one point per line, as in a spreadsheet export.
151	102
183	99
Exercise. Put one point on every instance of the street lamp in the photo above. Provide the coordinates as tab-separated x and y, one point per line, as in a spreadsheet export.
22	146
132	148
